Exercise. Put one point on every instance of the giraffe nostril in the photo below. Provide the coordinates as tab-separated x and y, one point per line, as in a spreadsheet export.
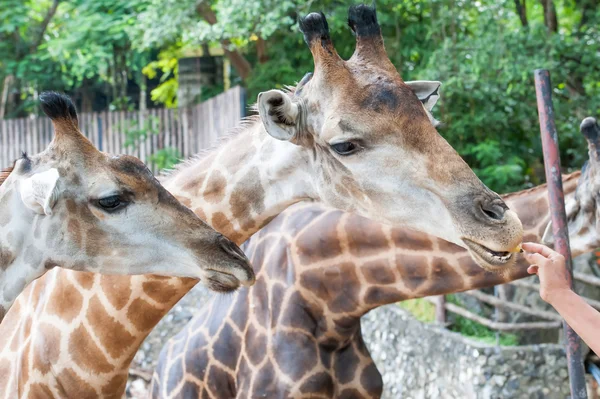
231	248
493	210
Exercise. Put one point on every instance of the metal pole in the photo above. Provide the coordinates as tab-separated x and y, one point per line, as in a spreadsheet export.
543	91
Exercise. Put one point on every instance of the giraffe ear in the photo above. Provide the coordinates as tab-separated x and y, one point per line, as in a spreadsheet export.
40	191
427	91
279	114
574	224
548	237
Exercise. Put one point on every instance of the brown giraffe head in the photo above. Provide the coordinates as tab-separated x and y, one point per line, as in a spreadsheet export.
583	214
76	207
375	149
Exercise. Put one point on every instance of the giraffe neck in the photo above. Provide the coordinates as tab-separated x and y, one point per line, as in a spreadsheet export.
239	187
376	265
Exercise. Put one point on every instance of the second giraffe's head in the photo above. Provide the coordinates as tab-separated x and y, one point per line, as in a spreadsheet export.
76	207
375	149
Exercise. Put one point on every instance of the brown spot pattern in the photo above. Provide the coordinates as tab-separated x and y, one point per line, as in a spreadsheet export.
227	347
413	270
240	310
112	334
6	258
320	384
444	278
371	380
75	386
265	384
222	382
39	391
215	188
71	206
406	238
338	285
248	195
86	280
65	301
143	315
46	348
305	315
24	368
294	352
160	291
116	384
256	345
85	353
320	242
224	226
383	295
346	363
119	287
193	186
365	237
95	242
378	272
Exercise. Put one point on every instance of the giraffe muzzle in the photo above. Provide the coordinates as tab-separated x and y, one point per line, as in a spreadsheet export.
241	268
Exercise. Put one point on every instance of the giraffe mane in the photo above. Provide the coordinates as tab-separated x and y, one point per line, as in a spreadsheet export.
244	124
566	179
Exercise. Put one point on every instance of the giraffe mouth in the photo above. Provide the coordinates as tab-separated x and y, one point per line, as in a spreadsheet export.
489	259
219	281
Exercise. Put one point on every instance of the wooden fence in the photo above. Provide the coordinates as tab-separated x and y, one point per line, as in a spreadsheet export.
188	130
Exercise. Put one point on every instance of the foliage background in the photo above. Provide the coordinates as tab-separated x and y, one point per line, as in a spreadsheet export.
123	55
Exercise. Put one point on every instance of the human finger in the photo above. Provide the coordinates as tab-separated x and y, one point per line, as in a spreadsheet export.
535	258
538	248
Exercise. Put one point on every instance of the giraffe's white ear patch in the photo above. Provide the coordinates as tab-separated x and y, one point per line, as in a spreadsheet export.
427	91
548	237
40	191
574	222
279	114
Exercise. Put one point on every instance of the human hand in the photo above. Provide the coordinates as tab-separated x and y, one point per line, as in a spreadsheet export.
550	267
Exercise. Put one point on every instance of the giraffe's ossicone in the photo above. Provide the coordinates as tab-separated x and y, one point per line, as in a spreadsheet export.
78	208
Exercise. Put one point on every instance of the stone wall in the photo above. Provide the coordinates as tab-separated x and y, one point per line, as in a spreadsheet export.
419	360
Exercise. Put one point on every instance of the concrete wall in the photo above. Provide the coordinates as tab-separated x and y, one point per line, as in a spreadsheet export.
419	360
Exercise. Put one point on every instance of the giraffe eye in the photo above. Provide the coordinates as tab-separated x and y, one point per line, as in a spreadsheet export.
111	203
345	148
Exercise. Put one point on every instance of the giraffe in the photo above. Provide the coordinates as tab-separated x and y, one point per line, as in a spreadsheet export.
67	205
352	135
297	332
